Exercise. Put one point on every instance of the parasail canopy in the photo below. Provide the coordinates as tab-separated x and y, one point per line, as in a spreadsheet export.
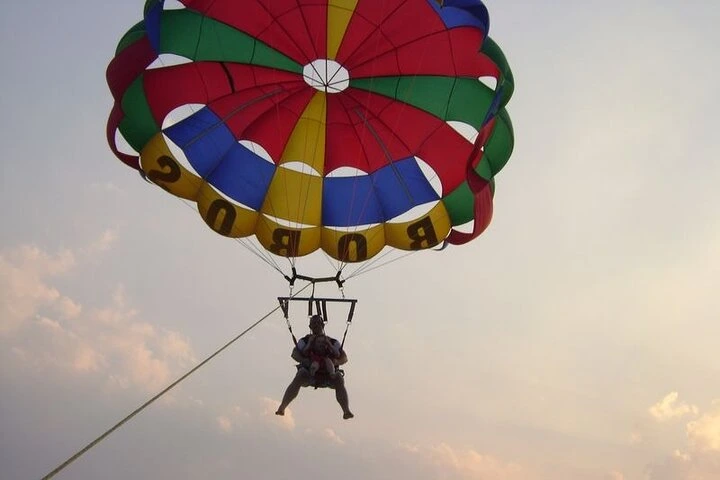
342	125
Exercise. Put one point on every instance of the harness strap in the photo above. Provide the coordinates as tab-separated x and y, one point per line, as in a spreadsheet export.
284	305
347	326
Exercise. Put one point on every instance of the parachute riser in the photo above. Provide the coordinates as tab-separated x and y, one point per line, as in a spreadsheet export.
313	280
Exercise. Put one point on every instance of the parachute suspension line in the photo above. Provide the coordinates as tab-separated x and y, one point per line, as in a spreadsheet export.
337	265
373	264
260	253
163	392
254	249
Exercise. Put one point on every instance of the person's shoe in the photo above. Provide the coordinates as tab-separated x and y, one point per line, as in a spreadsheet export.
280	412
348	415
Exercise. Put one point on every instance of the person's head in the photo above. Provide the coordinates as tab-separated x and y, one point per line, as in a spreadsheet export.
317	324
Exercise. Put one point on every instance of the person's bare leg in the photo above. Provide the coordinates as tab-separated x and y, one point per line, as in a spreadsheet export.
329	366
292	391
341	396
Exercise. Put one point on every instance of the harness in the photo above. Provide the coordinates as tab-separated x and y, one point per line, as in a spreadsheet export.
319	306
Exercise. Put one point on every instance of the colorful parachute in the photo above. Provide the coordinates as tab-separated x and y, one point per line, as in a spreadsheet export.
341	125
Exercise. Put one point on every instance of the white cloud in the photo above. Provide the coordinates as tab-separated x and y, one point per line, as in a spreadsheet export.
685	457
410	448
49	331
700	459
286	421
104	242
471	464
225	424
49	323
110	342
144	355
231	419
25	276
24	290
175	346
331	435
669	408
684	466
87	359
466	464
139	361
68	309
704	433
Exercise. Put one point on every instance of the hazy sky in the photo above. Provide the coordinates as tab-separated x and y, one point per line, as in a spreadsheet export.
577	339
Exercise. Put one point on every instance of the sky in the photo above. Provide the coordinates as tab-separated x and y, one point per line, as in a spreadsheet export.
575	339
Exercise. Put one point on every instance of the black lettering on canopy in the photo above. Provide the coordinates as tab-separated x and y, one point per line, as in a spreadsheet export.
229	215
422	233
170	172
286	242
360	243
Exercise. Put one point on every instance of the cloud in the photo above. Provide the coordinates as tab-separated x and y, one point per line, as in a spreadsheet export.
704	433
410	448
225	424
86	359
232	419
466	464
142	354
104	242
685	457
471	464
287	421
700	458
331	435
26	273
110	341
51	332
24	290
683	466
669	408
68	308
175	346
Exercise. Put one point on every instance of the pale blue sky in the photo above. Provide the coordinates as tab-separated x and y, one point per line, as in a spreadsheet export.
576	339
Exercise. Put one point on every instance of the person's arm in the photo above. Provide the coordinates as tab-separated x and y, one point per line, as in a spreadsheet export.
342	359
340	356
299	352
333	347
305	347
297	356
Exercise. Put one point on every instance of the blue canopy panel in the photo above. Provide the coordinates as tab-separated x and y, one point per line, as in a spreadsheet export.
375	198
243	176
461	13
217	157
204	138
